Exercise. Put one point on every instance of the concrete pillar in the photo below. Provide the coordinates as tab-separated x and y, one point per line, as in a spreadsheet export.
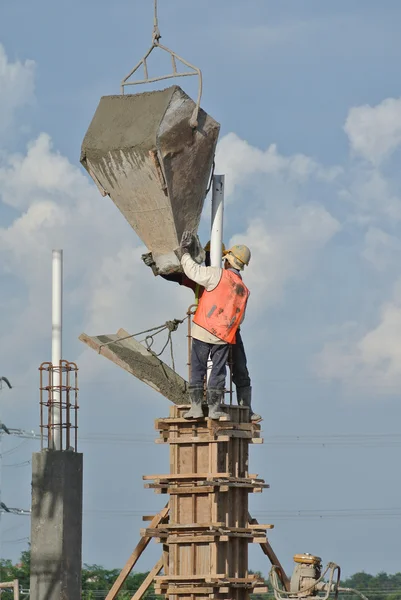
56	525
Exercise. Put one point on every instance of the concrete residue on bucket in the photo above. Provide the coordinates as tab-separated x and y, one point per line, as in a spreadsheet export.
133	357
141	150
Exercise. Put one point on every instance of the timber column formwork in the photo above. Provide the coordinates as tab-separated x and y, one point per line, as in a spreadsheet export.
205	542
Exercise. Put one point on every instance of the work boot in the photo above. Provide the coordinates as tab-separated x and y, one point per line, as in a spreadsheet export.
196	397
214	400
244	398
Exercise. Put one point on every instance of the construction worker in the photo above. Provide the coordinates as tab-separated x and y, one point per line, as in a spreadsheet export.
240	373
220	311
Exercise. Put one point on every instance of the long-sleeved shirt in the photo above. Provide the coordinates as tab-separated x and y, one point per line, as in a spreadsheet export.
209	278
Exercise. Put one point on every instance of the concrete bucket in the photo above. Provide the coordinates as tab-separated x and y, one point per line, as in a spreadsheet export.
141	150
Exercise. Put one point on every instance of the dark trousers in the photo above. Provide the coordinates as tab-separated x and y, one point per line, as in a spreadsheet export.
219	354
240	370
199	357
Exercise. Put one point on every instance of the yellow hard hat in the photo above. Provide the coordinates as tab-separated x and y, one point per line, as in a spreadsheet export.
223	249
238	256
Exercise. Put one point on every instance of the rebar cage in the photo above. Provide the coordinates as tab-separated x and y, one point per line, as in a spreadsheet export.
59	398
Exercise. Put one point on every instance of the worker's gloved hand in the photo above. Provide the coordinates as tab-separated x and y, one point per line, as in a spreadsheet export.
149	262
148	259
188	242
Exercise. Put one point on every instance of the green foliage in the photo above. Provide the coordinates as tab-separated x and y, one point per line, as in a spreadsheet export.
97	581
20	571
378	587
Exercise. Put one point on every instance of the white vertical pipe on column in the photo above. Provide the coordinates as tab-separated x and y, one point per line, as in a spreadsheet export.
216	231
57	330
216	235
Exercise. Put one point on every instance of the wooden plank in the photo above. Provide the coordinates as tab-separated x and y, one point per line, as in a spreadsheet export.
142	544
208	423
190	539
205	487
13	585
152	531
185	591
202	440
210	479
251	580
176	476
147	582
207	578
133	357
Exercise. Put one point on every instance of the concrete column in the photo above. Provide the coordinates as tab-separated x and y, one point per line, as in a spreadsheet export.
56	525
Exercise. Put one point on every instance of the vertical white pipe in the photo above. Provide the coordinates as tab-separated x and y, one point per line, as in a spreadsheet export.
216	235
57	330
216	231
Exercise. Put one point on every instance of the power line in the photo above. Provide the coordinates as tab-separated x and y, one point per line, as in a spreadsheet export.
25	463
18	541
275	514
331	439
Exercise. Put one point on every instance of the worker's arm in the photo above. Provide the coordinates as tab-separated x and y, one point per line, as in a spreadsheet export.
176	277
208	277
180	278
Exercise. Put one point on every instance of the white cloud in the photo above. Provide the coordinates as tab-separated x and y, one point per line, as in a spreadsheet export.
381	249
285	229
374	132
40	175
239	161
284	251
375	198
17	84
371	358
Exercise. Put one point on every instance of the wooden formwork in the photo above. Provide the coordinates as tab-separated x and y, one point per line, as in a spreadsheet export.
205	526
206	538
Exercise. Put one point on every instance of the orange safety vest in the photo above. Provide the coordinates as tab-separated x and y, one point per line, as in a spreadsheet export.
220	311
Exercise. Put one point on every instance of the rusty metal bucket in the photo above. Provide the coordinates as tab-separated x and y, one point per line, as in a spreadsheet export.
141	151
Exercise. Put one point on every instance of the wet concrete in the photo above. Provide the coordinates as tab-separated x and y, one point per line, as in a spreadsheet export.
141	150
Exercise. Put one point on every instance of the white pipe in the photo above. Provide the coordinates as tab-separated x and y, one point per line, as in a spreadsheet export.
216	232
216	235
57	331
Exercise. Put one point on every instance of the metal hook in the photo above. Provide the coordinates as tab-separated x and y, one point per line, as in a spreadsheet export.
174	56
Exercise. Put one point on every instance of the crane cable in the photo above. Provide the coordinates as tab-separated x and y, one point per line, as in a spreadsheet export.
156	31
174	58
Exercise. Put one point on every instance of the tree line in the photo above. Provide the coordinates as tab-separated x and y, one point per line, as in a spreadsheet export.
97	581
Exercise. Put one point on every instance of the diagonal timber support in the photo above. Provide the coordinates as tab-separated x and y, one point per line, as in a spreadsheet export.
133	357
149	580
271	555
133	559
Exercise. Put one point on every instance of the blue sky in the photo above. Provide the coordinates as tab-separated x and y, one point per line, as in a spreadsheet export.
308	96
